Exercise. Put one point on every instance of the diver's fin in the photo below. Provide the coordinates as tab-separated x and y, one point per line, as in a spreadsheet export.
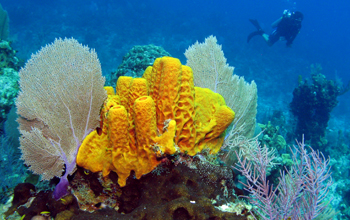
255	33
255	23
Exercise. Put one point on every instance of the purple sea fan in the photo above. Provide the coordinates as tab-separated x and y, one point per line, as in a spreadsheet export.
58	105
301	191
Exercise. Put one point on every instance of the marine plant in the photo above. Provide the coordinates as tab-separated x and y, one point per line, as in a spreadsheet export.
302	190
58	106
210	70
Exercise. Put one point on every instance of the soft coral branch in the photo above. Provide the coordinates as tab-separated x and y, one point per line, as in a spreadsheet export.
263	195
300	191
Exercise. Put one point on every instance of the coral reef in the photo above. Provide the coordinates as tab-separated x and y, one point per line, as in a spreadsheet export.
42	205
8	57
9	89
178	193
10	165
192	189
271	137
159	130
139	130
312	105
137	60
9	66
12	169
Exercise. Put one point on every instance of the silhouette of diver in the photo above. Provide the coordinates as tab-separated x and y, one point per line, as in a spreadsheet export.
286	28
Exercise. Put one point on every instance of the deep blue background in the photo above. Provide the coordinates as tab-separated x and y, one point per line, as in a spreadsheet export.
324	37
113	27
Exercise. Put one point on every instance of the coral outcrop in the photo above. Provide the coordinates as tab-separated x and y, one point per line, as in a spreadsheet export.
178	193
137	60
312	104
150	117
174	191
9	66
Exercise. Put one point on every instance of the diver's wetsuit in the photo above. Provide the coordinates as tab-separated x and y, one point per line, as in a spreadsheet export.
287	27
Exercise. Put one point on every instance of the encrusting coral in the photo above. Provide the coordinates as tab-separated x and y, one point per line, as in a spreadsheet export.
161	113
137	60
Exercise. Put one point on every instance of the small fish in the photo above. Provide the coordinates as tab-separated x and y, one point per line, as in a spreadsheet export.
63	201
45	213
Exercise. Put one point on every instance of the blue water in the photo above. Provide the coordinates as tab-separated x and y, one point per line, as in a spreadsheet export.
115	24
114	27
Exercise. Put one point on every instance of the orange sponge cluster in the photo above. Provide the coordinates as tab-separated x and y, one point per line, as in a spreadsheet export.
161	113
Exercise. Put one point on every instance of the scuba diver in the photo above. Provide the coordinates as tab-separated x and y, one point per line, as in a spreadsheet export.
286	28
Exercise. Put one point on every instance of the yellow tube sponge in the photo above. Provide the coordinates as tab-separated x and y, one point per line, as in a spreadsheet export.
212	119
110	90
154	79
145	120
214	139
148	75
159	114
223	117
91	154
185	113
165	144
123	87
119	144
169	87
111	101
92	151
146	131
138	88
